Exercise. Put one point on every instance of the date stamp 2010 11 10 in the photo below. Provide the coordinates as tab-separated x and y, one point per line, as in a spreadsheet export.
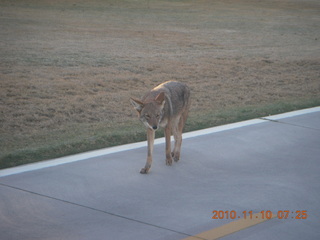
265	214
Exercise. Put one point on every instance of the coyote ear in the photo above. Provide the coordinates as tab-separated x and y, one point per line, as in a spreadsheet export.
160	98
138	105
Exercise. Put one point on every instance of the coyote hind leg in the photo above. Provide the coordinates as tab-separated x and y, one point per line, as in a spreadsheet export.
177	133
167	133
177	144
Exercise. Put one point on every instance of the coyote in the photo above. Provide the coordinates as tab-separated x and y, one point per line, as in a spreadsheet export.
166	106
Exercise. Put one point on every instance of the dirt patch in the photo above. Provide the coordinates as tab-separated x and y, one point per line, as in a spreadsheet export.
76	63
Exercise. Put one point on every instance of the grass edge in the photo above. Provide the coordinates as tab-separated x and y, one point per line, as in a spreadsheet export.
128	134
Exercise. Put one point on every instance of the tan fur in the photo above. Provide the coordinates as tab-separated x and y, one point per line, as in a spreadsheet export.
166	106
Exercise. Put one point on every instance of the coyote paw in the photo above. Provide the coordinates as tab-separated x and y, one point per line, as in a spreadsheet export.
176	156
169	161
144	170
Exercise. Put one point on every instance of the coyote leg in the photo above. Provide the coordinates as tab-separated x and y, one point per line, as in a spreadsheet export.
178	136
167	133
150	137
177	141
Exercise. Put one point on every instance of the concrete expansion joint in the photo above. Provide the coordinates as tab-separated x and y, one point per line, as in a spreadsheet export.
286	123
95	209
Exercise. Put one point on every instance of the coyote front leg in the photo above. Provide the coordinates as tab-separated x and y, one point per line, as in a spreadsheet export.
150	137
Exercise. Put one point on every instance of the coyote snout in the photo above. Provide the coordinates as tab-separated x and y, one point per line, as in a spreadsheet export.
166	106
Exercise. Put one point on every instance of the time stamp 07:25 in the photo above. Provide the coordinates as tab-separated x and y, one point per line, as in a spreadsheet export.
265	214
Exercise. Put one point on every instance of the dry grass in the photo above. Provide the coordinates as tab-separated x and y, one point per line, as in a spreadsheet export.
68	68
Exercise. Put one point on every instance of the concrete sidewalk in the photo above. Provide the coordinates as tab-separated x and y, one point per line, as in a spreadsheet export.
270	164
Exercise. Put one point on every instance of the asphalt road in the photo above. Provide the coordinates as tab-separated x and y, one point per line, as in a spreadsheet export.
265	169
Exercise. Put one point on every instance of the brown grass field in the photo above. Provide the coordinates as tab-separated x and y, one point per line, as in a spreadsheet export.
68	68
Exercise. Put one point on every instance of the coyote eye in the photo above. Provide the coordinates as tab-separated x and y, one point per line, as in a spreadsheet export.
147	116
158	115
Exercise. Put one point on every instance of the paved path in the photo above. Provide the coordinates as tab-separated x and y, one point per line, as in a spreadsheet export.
270	164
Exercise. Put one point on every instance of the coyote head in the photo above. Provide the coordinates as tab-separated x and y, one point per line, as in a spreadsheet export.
150	112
